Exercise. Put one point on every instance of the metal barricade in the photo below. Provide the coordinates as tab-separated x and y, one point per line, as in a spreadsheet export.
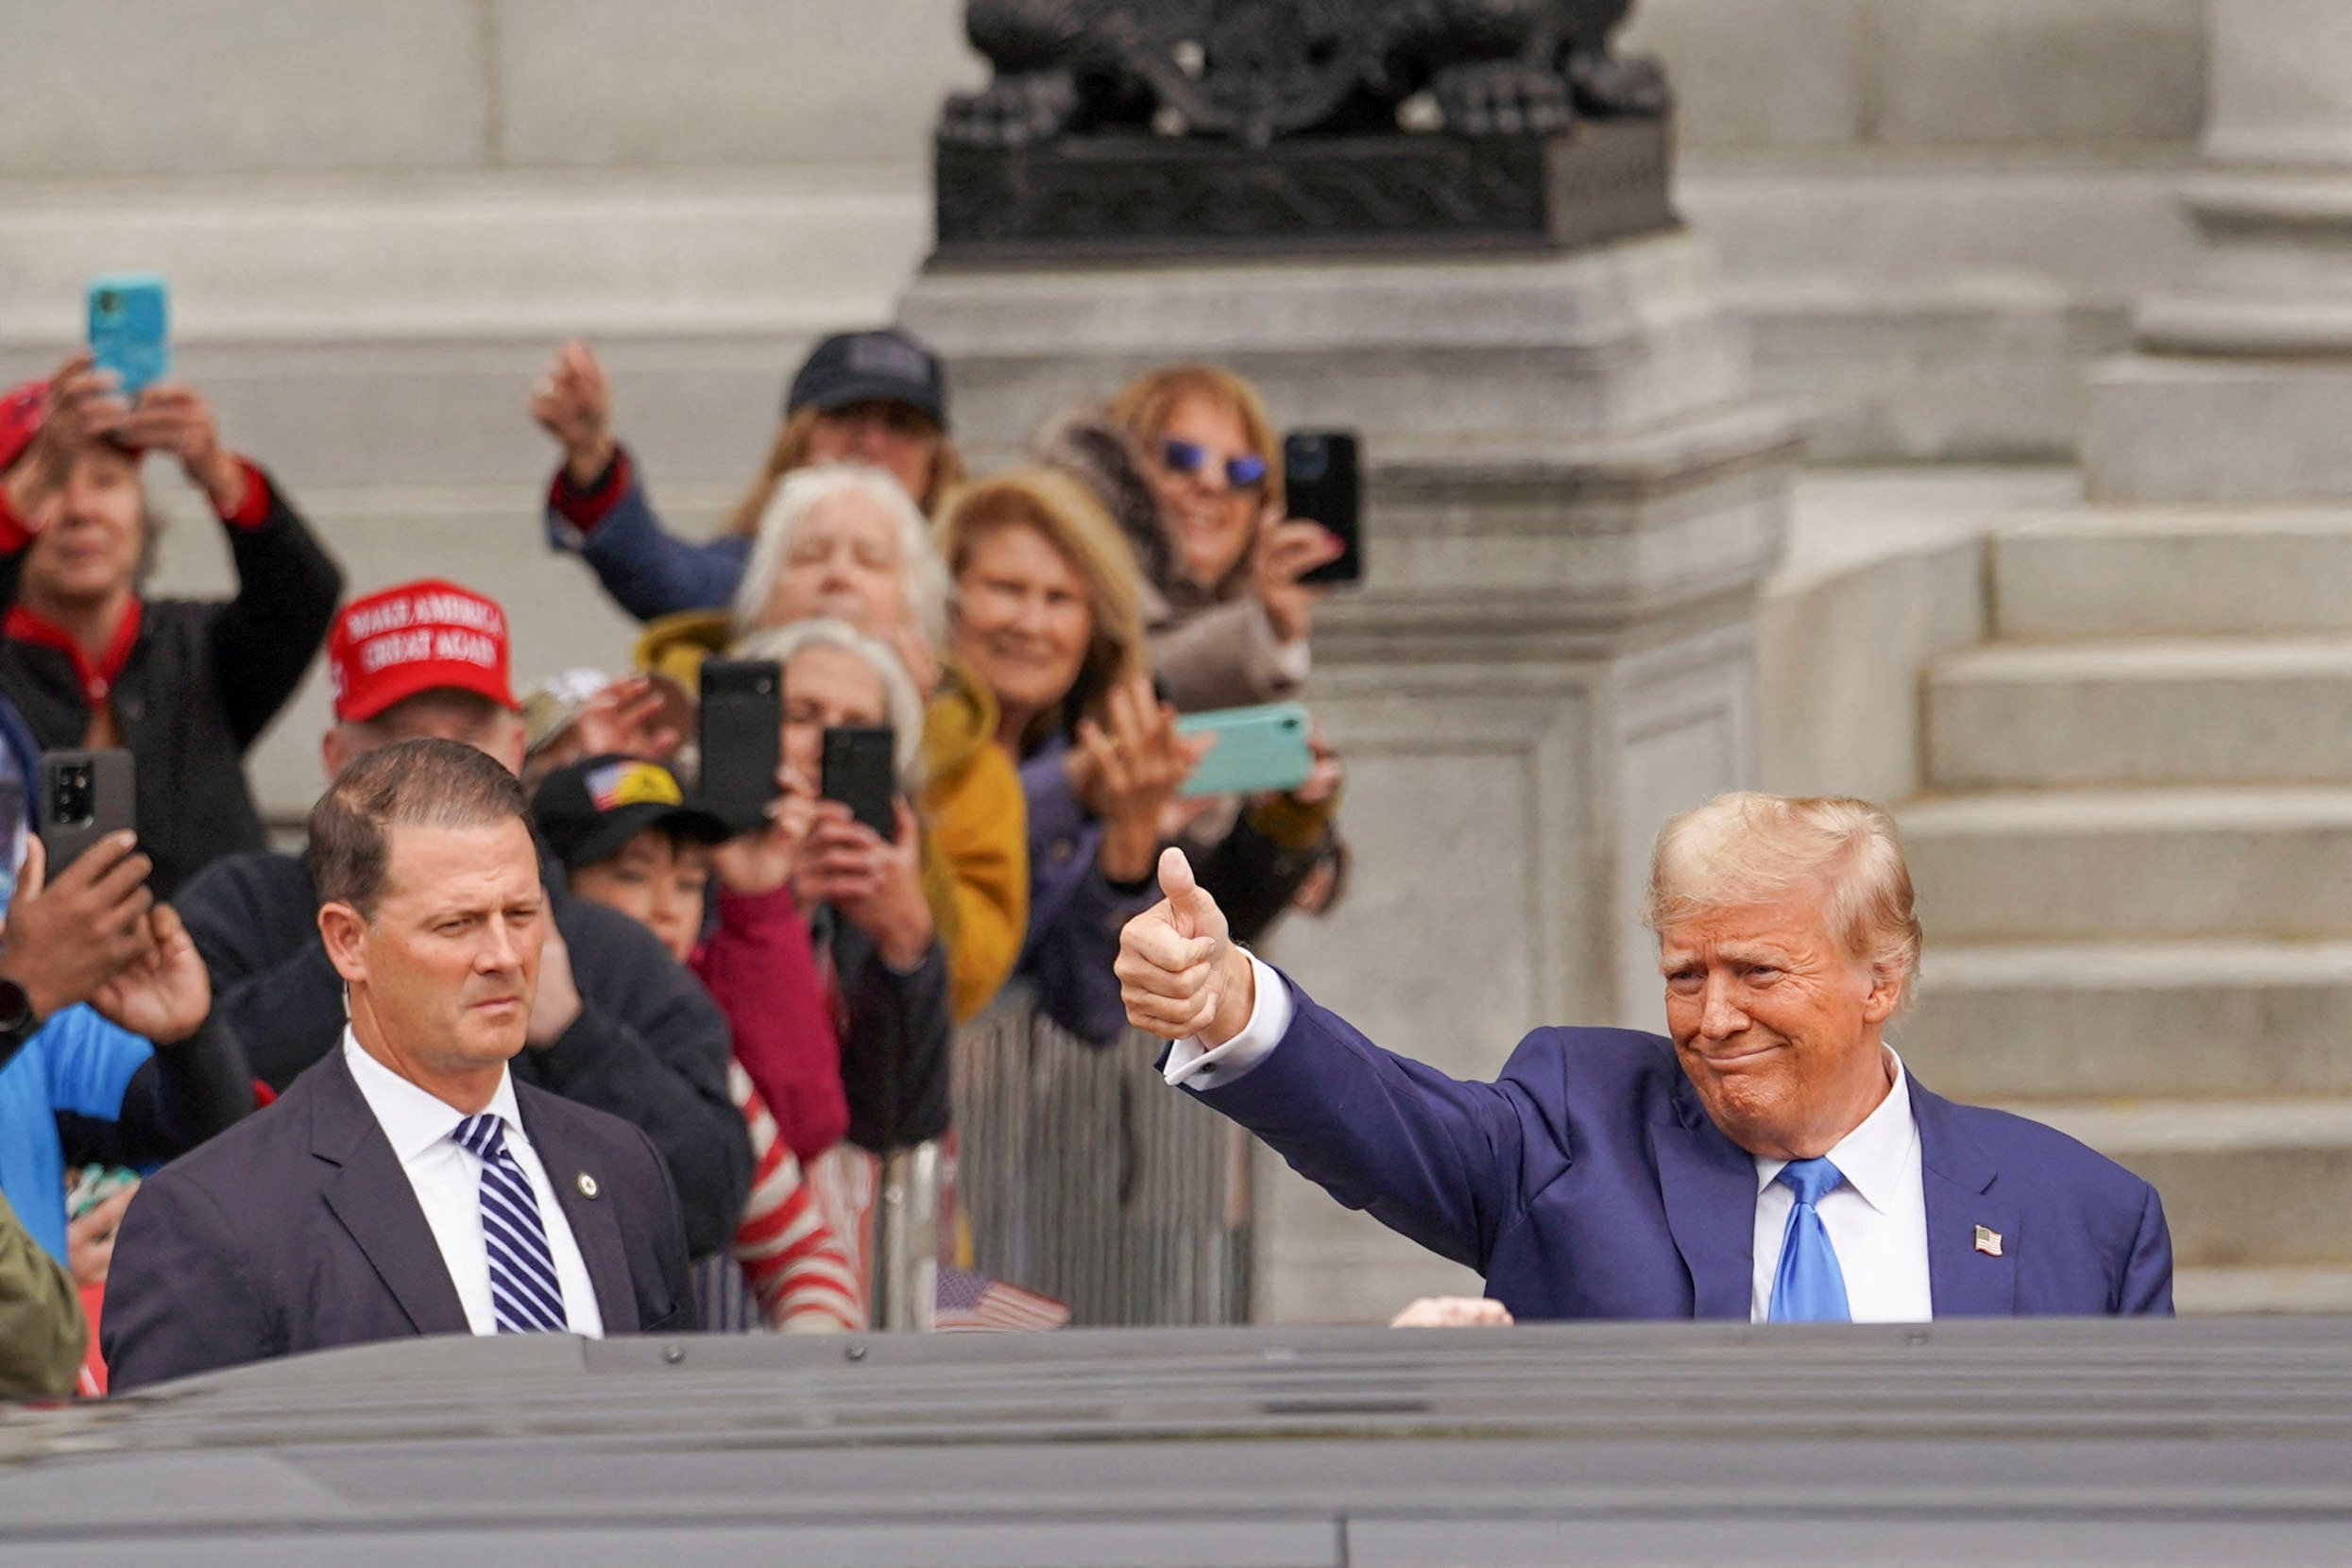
1079	1174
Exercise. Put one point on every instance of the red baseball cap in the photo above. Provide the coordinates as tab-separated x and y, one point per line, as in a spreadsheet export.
428	636
20	419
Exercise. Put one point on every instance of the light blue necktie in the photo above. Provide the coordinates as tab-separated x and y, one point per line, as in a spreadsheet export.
1807	1287
524	1295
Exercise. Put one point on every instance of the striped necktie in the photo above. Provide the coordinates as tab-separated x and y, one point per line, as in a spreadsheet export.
523	1291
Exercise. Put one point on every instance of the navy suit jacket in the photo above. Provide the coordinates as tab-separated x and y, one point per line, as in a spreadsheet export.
1589	1181
296	1230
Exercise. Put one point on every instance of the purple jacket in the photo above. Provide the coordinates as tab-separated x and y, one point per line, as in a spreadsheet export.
649	570
1589	1183
1074	914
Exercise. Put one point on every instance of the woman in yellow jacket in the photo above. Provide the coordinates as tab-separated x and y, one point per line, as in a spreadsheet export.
845	541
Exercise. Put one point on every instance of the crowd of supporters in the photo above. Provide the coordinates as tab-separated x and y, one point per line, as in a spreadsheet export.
777	1009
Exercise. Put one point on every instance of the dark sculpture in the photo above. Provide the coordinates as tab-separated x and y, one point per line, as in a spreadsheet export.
1254	70
1126	127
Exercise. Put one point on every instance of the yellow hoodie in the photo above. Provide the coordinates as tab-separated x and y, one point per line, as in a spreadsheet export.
975	820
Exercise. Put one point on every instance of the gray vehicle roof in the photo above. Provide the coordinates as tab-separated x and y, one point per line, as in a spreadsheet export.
1959	1442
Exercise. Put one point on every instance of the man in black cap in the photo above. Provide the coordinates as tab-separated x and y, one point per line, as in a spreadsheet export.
878	397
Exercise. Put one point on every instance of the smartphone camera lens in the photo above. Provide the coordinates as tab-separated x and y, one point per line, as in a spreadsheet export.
75	790
110	303
1309	461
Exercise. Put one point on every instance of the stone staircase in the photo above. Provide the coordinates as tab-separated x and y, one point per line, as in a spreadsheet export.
2134	863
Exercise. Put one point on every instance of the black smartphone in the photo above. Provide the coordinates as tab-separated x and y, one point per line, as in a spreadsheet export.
741	734
860	771
84	796
1321	485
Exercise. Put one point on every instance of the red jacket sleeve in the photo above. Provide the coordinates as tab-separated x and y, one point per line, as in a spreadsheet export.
758	967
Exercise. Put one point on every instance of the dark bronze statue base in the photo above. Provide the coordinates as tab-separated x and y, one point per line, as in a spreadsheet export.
1138	197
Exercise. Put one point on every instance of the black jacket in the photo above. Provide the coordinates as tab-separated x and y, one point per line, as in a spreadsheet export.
204	679
649	1045
896	1035
298	1229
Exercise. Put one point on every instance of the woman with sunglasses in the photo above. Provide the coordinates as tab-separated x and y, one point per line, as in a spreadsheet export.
1188	463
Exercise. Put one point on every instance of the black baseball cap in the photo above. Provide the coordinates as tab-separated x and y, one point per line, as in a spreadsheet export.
588	811
857	368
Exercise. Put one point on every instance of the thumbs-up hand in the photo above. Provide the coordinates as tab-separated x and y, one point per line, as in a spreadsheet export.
1180	974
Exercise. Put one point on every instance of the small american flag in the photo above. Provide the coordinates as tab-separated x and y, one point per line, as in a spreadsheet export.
972	1304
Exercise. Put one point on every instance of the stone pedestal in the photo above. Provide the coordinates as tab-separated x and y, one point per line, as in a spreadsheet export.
2242	389
1570	499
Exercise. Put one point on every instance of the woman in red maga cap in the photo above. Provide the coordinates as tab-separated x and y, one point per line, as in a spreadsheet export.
185	685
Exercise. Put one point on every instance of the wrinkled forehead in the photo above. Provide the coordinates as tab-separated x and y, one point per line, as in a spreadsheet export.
485	866
831	677
1785	924
850	515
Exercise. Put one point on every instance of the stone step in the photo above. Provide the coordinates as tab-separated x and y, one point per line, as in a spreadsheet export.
2068	1020
2251	1184
2146	863
386	333
2162	572
2156	711
2217	1292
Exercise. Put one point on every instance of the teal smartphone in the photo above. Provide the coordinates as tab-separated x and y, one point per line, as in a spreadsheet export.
131	329
1257	749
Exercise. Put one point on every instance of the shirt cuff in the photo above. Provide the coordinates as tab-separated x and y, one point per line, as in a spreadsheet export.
1191	1065
584	507
253	510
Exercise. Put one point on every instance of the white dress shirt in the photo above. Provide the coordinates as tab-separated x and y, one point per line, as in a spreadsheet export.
1877	1218
446	1178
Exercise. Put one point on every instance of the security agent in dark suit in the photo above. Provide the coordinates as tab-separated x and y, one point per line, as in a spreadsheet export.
405	1184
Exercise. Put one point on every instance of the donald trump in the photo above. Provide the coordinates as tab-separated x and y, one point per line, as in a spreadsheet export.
1772	1160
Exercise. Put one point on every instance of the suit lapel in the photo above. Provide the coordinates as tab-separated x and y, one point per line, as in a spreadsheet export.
1972	1234
371	1195
595	1222
1709	1185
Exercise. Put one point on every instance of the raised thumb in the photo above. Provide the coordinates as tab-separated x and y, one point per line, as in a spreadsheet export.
1183	890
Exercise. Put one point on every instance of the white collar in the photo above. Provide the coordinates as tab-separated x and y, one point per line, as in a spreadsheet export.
411	1118
1874	1156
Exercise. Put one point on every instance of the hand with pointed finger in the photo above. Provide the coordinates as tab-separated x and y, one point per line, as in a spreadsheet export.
1180	974
1453	1312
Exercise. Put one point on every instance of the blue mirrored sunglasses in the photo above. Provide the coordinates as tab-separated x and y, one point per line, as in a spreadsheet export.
1245	472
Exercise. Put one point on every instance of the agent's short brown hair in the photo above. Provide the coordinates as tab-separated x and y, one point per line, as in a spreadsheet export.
422	783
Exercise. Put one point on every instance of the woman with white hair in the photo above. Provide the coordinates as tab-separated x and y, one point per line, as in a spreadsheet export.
870	925
871	929
843	542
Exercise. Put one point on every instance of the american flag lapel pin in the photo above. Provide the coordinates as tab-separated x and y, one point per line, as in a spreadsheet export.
1987	1242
